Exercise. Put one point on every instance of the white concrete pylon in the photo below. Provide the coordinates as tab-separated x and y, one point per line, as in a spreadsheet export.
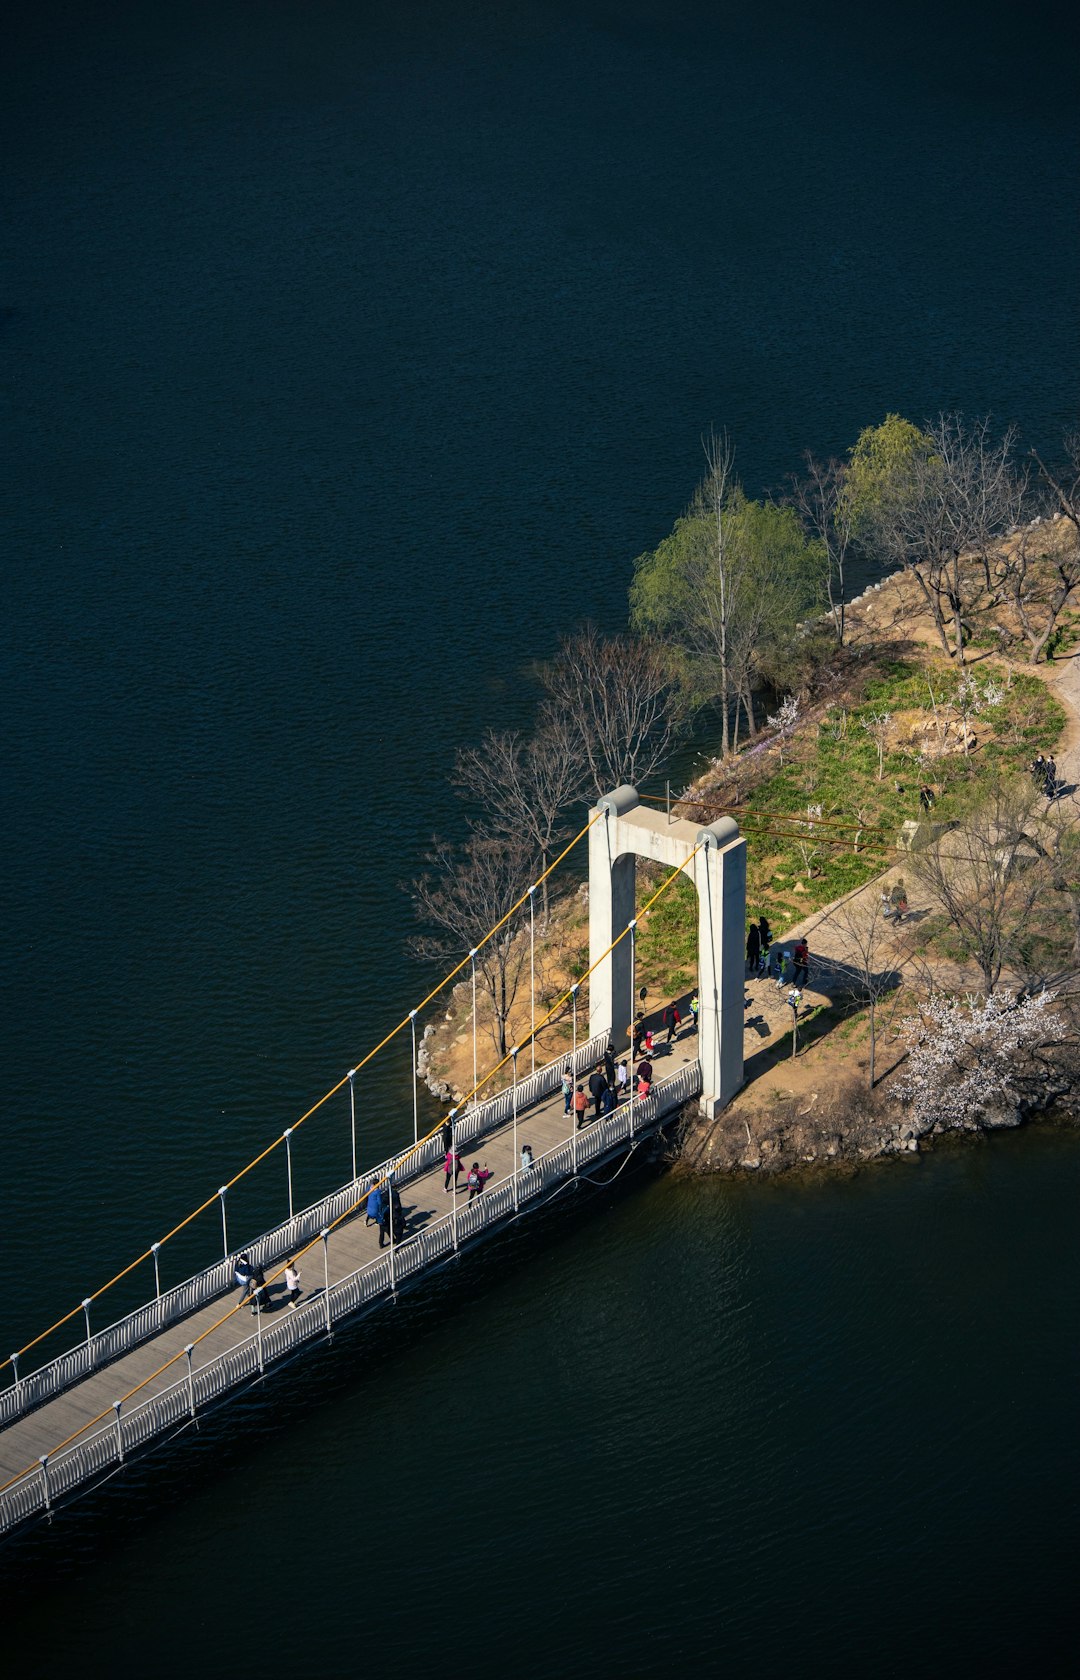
628	831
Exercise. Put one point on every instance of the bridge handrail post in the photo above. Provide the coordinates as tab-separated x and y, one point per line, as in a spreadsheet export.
119	1431
44	1462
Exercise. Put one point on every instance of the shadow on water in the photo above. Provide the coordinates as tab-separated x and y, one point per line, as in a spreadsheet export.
259	1419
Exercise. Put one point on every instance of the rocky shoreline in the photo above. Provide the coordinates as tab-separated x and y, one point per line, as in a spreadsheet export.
853	1127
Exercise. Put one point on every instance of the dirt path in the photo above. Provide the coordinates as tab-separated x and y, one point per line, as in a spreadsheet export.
769	1067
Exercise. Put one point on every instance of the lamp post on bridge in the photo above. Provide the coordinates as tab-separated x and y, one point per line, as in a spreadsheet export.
287	1135
532	978
632	924
573	1082
325	1235
472	959
514	1053
352	1117
415	1097
224	1227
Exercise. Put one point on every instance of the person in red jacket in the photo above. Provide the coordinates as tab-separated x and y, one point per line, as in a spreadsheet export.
478	1177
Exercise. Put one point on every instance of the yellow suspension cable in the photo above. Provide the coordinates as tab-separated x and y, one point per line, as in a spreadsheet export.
374	1184
312	1110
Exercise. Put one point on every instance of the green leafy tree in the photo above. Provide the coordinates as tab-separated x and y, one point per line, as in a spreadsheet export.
881	458
725	590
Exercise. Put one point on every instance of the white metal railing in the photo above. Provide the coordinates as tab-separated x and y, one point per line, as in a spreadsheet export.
33	1388
39	1488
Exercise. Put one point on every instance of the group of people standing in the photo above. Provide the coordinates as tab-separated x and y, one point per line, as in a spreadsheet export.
766	957
1044	775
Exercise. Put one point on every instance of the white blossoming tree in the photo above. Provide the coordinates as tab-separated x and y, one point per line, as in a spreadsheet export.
964	1052
786	721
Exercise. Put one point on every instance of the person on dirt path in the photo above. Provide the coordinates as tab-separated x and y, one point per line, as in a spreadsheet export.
801	959
753	947
671	1022
695	1009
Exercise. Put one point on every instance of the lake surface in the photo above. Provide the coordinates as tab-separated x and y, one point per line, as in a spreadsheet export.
351	353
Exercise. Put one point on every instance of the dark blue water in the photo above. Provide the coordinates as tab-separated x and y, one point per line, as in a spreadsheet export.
351	353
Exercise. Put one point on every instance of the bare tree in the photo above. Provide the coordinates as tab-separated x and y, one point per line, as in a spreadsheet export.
525	785
467	891
1042	575
826	513
943	505
868	949
988	878
1064	483
877	726
1042	571
617	699
714	494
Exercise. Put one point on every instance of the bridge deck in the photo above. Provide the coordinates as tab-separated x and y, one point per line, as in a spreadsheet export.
353	1248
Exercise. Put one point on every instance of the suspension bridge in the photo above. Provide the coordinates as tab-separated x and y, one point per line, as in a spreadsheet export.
71	1418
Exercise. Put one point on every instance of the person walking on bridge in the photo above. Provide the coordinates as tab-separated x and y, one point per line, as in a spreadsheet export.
478	1177
695	1009
581	1103
451	1169
567	1088
383	1214
671	1021
244	1273
644	1078
371	1209
622	1081
609	1064
292	1283
597	1087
